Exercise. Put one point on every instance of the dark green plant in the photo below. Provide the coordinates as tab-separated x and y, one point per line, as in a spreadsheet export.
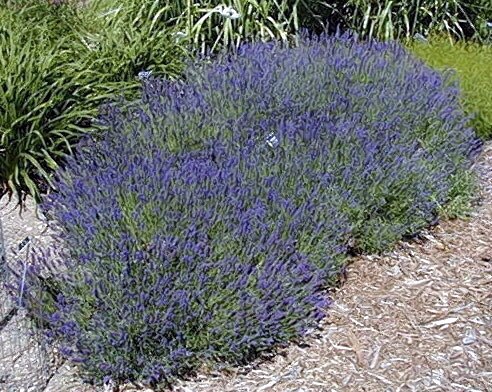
483	20
390	19
37	96
59	63
127	37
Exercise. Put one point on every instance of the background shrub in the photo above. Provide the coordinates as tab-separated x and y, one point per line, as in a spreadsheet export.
460	19
473	64
36	96
203	226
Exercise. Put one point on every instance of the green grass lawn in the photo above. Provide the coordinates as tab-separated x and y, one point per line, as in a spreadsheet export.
473	65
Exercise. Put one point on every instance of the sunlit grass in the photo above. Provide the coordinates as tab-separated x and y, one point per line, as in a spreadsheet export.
473	65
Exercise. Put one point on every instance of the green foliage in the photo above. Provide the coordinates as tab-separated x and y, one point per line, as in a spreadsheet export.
484	15
37	96
119	39
59	62
391	19
473	64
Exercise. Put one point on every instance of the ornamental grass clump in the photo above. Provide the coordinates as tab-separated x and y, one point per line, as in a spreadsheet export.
60	61
204	224
398	19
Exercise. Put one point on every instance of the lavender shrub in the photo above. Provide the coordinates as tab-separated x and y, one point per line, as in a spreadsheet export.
172	261
388	130
204	224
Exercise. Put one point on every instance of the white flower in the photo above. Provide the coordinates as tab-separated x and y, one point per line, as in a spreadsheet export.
90	43
110	12
420	37
489	25
109	384
144	75
227	12
272	140
179	35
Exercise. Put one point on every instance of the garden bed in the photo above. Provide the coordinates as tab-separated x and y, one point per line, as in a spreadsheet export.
205	226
